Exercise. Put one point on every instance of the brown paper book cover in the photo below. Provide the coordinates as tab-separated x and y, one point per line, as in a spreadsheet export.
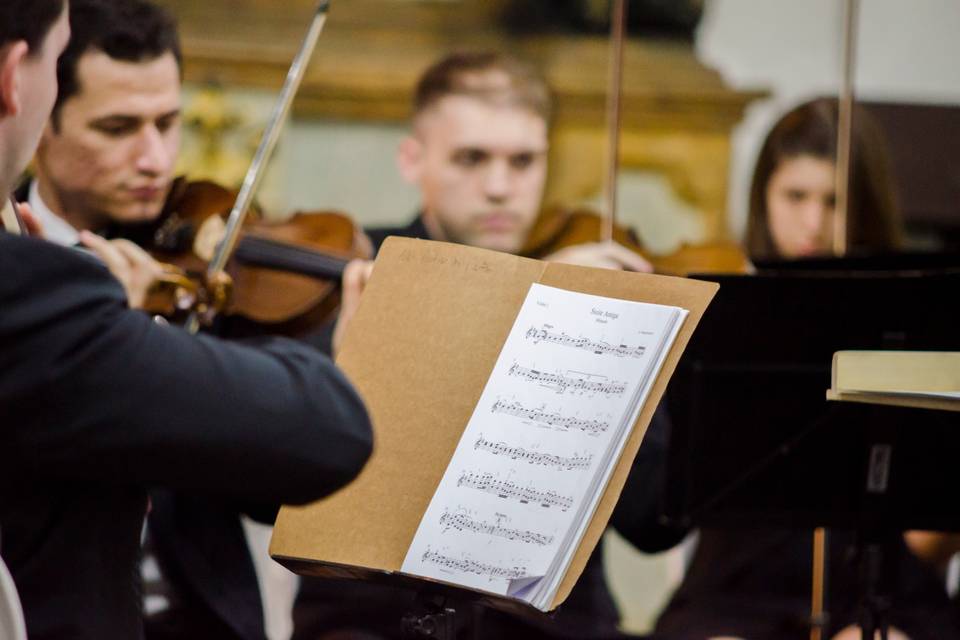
420	349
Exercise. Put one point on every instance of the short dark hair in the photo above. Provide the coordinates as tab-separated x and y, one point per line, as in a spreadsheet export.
128	30
811	129
481	75
28	20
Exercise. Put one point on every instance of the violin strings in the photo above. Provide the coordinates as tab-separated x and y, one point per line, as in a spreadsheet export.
274	254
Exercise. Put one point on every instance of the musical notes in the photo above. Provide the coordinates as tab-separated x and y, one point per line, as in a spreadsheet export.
562	383
542	442
490	483
570	463
462	522
466	565
553	418
598	347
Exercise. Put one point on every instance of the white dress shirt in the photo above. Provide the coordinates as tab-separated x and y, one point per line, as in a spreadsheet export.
55	228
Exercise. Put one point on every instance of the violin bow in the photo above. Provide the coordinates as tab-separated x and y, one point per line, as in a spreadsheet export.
840	230
268	142
618	21
845	129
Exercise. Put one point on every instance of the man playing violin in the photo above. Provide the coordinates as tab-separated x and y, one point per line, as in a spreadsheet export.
106	157
105	164
477	153
97	401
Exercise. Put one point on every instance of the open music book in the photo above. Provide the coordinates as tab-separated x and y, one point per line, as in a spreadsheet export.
924	379
509	398
537	452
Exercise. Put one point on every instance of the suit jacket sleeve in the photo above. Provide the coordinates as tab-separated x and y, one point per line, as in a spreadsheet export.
638	514
90	390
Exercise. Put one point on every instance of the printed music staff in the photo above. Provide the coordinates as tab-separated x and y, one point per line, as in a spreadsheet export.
541	443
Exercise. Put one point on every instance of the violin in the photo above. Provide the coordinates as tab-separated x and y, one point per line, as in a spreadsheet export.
558	228
282	276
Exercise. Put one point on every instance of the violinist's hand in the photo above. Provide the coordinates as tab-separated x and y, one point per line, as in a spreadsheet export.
30	220
362	245
935	548
136	270
355	277
605	255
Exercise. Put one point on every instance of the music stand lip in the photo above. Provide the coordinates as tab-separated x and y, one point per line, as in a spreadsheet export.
424	588
863	263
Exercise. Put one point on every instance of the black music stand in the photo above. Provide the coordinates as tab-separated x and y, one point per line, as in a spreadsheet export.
419	609
754	439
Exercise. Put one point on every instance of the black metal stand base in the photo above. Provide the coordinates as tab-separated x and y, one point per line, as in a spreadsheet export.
874	605
436	621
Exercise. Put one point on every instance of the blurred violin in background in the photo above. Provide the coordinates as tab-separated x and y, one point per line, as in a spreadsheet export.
558	228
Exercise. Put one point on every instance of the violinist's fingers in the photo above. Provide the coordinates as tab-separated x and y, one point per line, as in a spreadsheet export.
143	271
30	220
126	262
629	260
570	255
137	257
355	277
116	262
604	255
362	243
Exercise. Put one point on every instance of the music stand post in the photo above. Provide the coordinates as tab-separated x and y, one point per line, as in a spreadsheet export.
875	606
875	603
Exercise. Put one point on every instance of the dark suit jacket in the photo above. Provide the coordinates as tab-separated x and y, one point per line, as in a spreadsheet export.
98	402
198	541
589	612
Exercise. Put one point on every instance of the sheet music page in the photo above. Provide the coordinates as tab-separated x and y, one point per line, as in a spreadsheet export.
556	404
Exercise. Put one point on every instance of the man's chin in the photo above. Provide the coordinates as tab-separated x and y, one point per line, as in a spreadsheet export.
138	213
498	242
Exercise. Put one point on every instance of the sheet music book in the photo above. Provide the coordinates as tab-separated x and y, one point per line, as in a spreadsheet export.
923	379
538	450
509	397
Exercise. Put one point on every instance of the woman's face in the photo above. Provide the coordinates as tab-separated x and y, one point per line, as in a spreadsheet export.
800	202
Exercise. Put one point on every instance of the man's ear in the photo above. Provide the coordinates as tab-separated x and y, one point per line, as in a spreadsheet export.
11	63
410	159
